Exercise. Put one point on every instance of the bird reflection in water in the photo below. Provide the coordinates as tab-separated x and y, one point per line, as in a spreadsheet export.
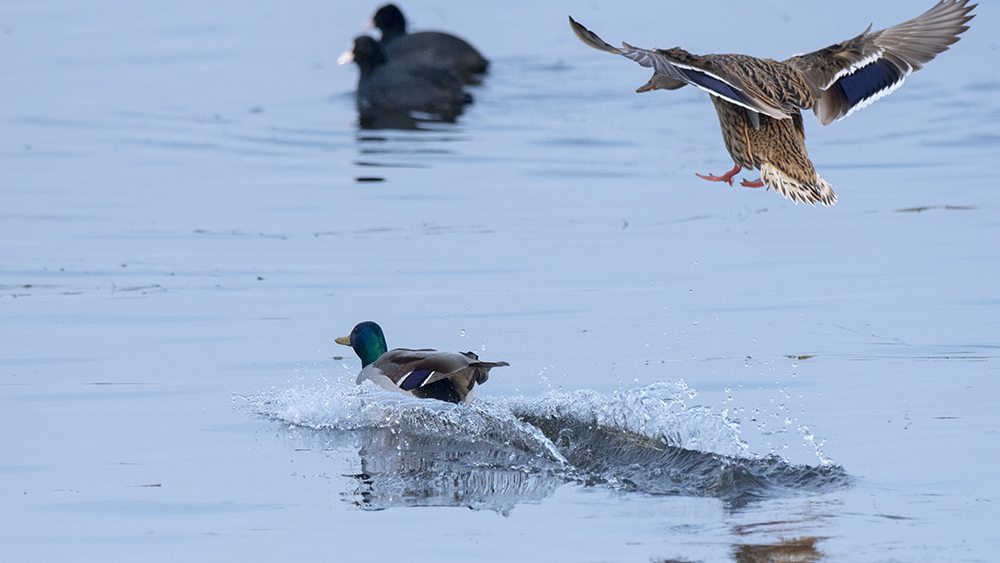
403	469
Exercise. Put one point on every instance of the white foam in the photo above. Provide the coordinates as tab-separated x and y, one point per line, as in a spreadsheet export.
658	411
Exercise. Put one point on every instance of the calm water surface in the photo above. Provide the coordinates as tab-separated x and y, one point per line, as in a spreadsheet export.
698	372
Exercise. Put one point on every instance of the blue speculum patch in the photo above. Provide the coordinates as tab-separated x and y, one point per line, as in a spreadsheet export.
415	379
869	81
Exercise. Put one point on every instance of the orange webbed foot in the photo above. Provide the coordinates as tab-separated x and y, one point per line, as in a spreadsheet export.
727	177
754	184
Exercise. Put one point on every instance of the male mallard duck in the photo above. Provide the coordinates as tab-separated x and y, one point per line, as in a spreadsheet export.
389	88
432	48
758	100
426	374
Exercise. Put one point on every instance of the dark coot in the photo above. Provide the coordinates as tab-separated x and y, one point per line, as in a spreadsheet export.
389	91
432	48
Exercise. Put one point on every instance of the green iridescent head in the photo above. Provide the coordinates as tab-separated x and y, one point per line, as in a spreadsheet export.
367	340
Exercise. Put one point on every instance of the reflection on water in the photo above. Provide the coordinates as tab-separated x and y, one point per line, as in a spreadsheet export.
407	121
801	549
407	469
497	453
384	148
796	550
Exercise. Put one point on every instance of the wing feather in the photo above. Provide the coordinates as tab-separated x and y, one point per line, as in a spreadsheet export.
852	74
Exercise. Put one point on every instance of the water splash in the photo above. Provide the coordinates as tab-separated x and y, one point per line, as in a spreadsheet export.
344	406
499	451
657	411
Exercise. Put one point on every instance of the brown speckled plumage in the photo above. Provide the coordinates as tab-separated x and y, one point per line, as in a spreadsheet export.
773	141
759	100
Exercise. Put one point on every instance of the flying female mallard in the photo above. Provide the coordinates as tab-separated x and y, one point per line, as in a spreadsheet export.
758	100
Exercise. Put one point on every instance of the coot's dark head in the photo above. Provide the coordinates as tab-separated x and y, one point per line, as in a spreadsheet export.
368	54
389	19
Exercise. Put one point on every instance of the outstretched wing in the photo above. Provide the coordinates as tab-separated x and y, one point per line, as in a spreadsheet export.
850	75
730	77
590	38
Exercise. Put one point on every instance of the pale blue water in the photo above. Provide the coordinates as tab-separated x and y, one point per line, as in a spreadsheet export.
698	372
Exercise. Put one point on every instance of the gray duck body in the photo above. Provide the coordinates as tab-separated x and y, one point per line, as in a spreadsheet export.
429	374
